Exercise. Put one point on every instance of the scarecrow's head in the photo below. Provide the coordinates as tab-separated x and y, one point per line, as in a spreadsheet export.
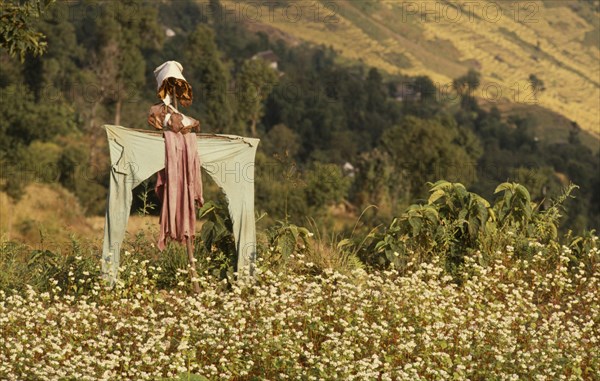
172	84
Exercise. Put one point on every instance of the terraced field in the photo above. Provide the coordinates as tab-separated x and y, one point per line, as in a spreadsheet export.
505	40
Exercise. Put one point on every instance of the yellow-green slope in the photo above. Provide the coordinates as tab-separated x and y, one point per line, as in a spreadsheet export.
505	40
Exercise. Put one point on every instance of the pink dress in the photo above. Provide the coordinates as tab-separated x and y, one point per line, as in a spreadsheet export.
179	185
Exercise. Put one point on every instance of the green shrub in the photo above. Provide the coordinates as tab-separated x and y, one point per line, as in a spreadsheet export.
455	223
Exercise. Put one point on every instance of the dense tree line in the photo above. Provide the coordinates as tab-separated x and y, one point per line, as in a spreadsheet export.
313	115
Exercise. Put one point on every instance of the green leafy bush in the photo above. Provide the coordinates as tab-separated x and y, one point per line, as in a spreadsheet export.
455	223
217	245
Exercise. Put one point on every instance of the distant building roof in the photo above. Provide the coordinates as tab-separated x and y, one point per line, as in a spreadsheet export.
266	55
405	91
169	32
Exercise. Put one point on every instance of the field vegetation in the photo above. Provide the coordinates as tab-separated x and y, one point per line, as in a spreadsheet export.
456	288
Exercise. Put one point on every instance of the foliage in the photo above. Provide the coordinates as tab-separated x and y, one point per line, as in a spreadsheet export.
285	238
312	297
425	87
286	192
290	248
202	60
254	83
514	208
325	185
537	84
81	178
424	150
17	27
467	84
218	251
23	113
279	186
455	224
47	267
30	153
379	182
281	141
145	199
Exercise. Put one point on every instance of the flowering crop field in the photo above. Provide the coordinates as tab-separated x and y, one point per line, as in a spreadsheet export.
511	319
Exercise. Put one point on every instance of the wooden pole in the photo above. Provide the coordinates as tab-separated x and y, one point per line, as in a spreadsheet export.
189	243
192	261
174	97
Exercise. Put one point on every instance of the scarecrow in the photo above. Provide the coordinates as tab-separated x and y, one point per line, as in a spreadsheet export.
179	184
174	151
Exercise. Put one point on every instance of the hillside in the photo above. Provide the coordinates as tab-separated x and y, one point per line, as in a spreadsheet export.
325	108
506	41
48	215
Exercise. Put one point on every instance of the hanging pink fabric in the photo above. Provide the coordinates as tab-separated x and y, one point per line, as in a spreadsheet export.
179	185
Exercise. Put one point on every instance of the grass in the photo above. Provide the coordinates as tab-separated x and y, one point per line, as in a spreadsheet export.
551	127
59	209
540	54
50	212
360	19
592	37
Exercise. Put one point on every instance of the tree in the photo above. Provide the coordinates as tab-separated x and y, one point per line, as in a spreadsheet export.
137	29
325	185
376	94
103	70
23	137
116	40
425	86
55	71
377	182
17	27
536	84
574	133
254	84
473	80
211	79
468	83
281	140
460	85
427	150
465	87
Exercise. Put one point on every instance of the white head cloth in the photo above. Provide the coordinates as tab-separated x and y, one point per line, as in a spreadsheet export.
167	70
